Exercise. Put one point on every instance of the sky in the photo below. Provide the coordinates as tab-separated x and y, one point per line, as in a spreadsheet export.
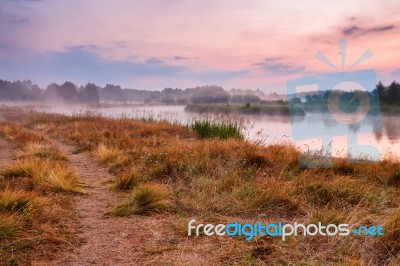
153	44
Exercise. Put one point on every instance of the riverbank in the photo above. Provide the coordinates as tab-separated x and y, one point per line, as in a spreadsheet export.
160	176
247	109
299	109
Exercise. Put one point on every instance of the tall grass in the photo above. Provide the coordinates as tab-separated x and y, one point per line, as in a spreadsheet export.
207	128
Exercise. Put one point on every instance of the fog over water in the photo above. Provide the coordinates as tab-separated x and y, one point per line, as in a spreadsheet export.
267	129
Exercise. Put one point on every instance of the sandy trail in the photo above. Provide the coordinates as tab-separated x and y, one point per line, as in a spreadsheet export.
106	240
109	240
6	152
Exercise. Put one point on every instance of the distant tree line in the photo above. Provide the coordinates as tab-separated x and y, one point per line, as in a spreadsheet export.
69	92
199	95
388	96
19	90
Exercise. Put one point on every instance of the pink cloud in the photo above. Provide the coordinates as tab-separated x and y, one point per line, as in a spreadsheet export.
225	36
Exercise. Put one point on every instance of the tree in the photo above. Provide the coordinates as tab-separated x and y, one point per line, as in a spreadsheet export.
381	90
36	93
111	93
393	93
237	98
89	94
210	94
251	98
52	93
68	92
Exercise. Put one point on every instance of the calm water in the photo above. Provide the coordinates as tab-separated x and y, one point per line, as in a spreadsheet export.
276	129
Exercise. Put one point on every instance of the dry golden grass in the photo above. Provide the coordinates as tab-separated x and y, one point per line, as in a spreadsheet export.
61	179
32	216
16	201
44	173
108	155
144	199
31	168
234	180
20	134
42	151
129	179
391	238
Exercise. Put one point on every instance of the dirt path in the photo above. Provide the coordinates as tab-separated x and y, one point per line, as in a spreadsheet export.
106	240
6	152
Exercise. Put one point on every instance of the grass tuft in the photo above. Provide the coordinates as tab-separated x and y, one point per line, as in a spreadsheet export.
45	174
61	179
206	129
129	179
26	168
145	199
108	155
15	201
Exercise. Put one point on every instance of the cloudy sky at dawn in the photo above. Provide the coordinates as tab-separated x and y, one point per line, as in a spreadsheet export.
153	44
